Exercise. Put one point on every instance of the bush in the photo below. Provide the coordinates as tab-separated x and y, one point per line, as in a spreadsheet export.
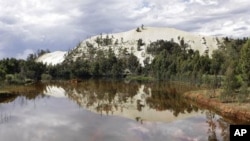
9	78
138	29
46	77
14	79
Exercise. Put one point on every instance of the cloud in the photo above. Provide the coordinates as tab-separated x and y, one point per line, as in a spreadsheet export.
24	54
61	24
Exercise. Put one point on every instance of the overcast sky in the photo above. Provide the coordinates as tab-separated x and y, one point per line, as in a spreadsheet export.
29	25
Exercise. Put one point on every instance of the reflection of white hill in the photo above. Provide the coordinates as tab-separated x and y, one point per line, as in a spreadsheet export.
132	107
54	91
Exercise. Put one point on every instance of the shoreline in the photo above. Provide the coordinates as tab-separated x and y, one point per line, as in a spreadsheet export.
239	112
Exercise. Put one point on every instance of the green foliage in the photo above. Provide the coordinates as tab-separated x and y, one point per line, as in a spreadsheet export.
9	78
14	79
172	61
133	64
245	61
34	56
2	73
34	70
88	44
103	41
116	42
41	52
217	62
139	44
235	57
243	93
80	69
156	47
46	77
16	71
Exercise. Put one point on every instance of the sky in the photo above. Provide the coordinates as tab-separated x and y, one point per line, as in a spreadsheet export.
29	25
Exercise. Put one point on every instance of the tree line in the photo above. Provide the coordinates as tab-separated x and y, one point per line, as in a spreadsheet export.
228	67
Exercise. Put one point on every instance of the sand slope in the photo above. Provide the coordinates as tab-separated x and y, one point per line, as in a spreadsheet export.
52	58
128	40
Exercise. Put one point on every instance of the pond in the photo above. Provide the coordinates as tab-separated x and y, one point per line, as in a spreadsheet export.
105	110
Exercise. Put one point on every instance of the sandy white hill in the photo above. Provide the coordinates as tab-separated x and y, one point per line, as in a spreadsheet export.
128	40
52	58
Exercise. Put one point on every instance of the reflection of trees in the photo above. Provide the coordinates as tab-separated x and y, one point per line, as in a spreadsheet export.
212	126
167	97
105	96
214	123
4	118
6	97
23	93
28	92
224	126
108	96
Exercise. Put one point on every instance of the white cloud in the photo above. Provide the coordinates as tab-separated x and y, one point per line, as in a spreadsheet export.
24	54
60	24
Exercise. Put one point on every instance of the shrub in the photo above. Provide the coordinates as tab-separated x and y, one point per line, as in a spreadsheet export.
46	77
138	29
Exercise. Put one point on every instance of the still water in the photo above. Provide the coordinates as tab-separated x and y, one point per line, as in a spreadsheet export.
103	110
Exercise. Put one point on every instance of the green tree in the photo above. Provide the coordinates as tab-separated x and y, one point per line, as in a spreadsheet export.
34	70
138	29
230	83
80	69
245	62
2	73
133	64
117	69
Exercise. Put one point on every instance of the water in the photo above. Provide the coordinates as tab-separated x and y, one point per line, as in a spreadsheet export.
100	110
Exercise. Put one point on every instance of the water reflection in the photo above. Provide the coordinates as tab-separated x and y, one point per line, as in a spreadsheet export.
215	125
157	102
140	111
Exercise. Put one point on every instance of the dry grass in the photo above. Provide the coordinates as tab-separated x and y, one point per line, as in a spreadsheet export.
232	109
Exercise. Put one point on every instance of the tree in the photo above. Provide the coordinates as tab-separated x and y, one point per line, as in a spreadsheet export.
133	63
95	69
244	61
2	73
217	63
160	65
138	29
230	83
98	41
139	44
117	69
34	70
116	42
142	26
80	69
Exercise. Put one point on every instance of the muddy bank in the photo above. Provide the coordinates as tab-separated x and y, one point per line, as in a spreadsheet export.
6	97
239	112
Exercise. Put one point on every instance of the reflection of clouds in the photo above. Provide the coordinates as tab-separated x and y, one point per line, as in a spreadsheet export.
37	123
60	119
183	130
136	127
